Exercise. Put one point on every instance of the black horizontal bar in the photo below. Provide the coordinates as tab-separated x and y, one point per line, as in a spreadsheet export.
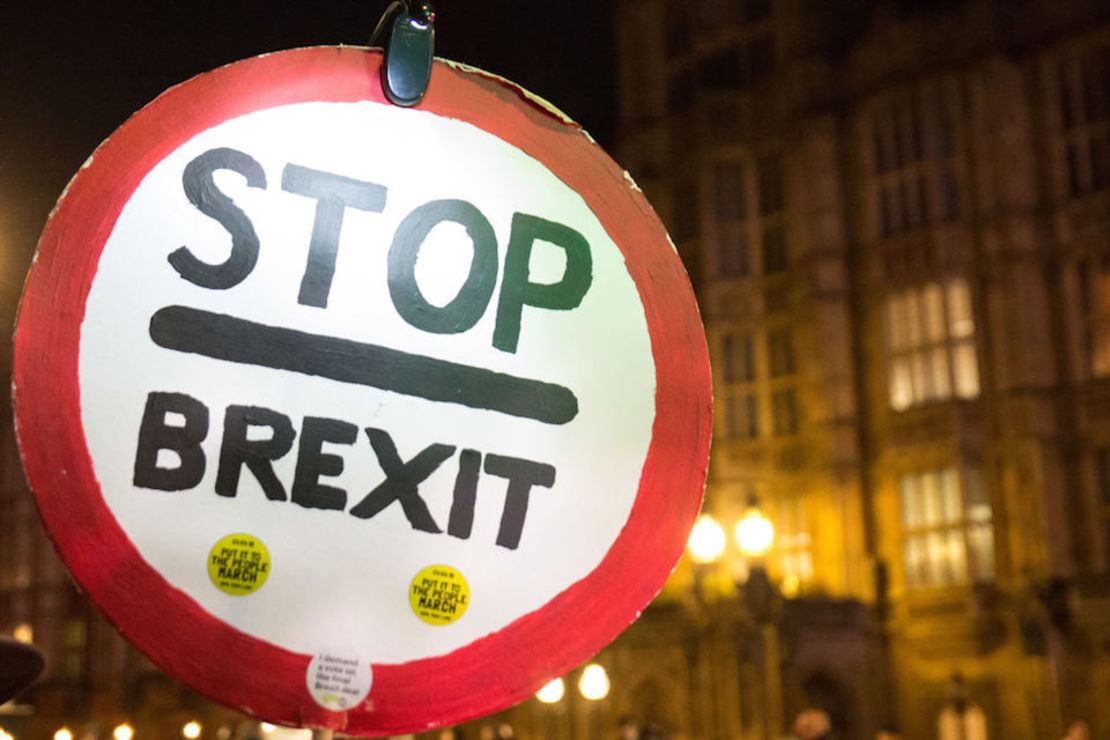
224	337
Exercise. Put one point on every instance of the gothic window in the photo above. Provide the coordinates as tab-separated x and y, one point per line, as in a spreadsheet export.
1083	100
731	218
915	159
947	531
931	339
784	411
782	382
748	223
780	350
793	545
741	400
74	649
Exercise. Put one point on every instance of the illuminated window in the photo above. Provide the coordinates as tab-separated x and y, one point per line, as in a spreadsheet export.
947	534
913	141
1083	99
748	227
931	337
792	545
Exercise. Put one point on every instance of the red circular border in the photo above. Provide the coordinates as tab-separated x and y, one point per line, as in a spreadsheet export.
166	624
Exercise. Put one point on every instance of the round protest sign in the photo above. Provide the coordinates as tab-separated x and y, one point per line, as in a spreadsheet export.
358	416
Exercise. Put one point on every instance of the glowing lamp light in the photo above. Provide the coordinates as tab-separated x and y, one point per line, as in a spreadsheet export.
754	533
284	733
24	633
552	691
123	732
593	685
4	735
63	734
191	730
707	540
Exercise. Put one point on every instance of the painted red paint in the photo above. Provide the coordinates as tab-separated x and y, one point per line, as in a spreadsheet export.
236	669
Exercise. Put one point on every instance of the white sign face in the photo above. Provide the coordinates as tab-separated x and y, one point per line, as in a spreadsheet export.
345	359
334	407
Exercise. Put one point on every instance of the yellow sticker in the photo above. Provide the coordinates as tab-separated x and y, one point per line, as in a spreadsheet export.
439	595
239	564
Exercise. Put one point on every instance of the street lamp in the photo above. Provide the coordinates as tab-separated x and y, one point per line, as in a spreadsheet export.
554	713
706	545
552	691
754	536
754	532
24	633
593	684
707	540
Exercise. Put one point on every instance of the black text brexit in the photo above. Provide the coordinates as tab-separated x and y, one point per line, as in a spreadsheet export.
162	429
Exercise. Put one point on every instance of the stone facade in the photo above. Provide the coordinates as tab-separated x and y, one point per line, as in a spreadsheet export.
914	199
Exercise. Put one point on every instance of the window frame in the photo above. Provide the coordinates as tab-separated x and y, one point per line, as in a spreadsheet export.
1082	134
913	142
931	347
793	547
751	239
962	514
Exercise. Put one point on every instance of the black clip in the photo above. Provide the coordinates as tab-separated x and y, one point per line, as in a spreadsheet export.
409	49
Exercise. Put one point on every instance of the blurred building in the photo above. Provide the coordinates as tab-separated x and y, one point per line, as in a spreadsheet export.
897	219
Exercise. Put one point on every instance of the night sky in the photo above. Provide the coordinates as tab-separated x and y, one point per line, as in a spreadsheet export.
71	73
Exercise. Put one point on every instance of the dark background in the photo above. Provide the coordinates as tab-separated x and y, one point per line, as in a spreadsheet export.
71	73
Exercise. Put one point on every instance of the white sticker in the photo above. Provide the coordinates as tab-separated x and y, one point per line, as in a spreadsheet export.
338	679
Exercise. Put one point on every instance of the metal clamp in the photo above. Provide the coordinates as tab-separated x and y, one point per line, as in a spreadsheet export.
409	49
